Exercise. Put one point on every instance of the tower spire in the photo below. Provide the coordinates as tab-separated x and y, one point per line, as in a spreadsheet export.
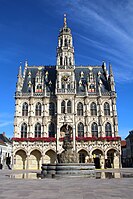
111	78
65	22
20	70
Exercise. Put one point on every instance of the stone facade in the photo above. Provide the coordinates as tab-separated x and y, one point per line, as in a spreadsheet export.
129	149
53	99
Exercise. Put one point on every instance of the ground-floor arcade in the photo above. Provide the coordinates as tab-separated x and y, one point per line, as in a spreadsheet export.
32	158
102	159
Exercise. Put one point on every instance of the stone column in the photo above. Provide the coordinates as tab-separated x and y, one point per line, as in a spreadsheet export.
74	139
102	162
43	154
27	162
57	139
13	160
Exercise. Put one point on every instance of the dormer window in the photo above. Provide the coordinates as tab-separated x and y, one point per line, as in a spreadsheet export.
39	88
92	88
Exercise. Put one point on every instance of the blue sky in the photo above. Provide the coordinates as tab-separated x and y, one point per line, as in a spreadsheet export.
102	30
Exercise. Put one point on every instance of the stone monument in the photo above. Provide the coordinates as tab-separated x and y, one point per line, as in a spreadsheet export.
68	162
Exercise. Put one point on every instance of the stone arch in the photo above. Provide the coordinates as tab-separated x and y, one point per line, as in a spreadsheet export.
98	158
112	158
50	156
20	159
20	124
35	159
106	122
96	148
20	148
106	100
91	101
33	149
83	155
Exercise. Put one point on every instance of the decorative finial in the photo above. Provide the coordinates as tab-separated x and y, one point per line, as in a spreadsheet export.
110	69
26	63
20	69
65	24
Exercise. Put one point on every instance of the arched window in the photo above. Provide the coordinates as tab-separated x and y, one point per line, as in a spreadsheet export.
69	107
51	130
108	129
63	85
69	42
70	61
63	106
80	109
94	129
51	108
38	109
68	86
65	60
60	60
25	109
24	130
80	130
92	88
65	42
39	87
93	109
38	130
106	109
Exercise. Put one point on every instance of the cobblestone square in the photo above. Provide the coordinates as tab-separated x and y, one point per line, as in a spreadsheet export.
65	187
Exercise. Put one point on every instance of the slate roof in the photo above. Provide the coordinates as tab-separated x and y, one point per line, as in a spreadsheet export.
4	139
95	70
130	134
52	77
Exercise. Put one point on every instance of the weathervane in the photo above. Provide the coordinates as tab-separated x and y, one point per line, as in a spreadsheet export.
65	24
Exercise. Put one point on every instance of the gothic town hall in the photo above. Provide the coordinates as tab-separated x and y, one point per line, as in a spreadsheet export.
50	100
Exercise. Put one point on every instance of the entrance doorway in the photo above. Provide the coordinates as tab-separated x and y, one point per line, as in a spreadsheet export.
97	153
82	156
97	163
112	160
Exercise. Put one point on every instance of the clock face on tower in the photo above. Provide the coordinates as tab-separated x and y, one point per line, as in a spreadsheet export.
65	78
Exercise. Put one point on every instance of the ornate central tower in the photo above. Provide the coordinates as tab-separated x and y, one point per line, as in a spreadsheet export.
65	82
65	50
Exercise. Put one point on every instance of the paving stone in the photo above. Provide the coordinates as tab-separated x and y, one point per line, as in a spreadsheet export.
64	188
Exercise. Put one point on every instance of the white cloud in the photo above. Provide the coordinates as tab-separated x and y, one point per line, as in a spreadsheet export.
5	123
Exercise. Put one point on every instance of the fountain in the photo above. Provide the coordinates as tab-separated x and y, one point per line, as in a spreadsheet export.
68	162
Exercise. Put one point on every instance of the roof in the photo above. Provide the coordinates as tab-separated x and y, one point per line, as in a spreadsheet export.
4	139
50	80
123	143
130	134
95	70
33	70
2	143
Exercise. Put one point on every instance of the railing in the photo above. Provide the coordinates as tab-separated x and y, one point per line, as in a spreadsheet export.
34	94
68	91
65	66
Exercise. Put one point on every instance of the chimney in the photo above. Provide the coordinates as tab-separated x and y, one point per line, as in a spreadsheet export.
4	134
